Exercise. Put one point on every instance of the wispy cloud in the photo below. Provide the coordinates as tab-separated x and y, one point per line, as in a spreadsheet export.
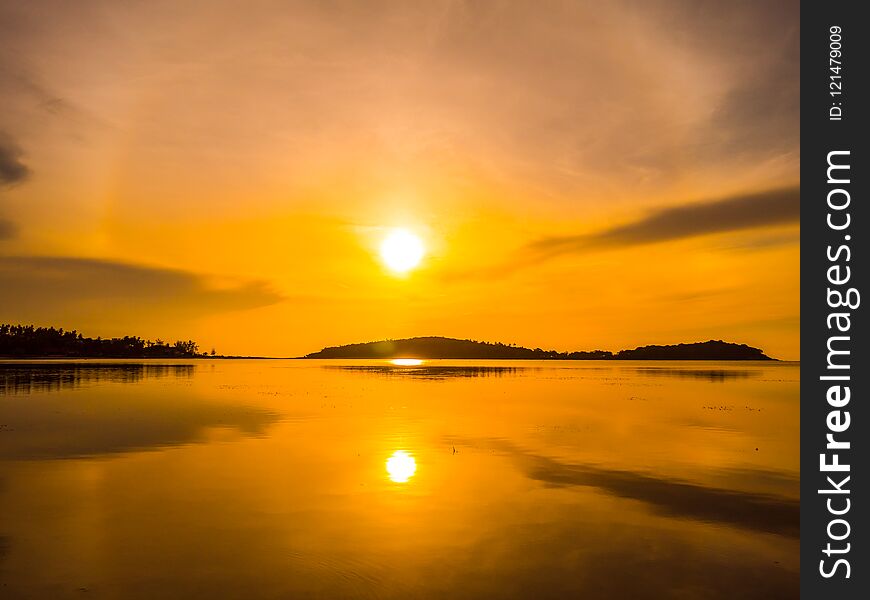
12	169
36	288
735	213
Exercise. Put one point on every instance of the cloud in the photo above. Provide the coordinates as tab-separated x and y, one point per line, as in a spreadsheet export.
8	229
77	290
12	170
499	92
748	211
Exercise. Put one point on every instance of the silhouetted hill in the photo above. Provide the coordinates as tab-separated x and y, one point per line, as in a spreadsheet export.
442	347
27	341
711	350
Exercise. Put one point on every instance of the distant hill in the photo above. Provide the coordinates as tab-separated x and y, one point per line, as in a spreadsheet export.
442	347
711	350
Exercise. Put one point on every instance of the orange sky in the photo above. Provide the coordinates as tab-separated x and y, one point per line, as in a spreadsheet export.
583	177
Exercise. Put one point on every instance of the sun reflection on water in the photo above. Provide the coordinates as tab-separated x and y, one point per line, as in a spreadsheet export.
406	362
401	466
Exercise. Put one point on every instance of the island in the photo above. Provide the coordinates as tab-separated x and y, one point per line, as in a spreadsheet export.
435	347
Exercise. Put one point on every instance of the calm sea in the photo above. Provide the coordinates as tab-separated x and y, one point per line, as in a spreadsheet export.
367	479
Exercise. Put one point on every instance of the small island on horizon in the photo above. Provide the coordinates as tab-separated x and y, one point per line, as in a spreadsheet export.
435	347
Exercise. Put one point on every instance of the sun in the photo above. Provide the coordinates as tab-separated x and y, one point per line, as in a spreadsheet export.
402	250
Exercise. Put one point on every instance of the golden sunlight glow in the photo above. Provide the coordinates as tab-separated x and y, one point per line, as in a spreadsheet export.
401	250
407	362
401	466
349	201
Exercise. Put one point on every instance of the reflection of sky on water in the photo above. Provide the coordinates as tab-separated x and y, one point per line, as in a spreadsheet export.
711	371
762	512
114	415
19	378
426	371
430	481
712	375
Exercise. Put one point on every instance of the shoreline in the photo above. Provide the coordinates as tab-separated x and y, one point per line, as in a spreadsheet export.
305	358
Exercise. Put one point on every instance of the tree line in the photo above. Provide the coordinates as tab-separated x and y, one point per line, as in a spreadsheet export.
27	341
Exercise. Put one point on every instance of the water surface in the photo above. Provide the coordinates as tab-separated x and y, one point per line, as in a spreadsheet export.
367	479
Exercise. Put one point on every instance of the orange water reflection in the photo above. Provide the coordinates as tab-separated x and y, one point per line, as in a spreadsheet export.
370	479
407	362
401	466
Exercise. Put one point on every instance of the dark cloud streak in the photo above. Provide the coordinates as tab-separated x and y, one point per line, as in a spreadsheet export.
12	169
750	211
38	288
